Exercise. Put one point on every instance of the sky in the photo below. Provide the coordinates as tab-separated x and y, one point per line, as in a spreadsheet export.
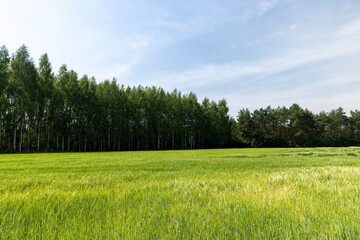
253	53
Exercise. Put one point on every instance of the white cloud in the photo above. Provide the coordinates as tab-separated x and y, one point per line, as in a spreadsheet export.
253	81
121	71
293	27
212	74
94	39
265	6
322	94
173	25
138	42
350	29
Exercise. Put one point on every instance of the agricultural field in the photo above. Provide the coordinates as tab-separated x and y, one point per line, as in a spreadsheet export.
196	194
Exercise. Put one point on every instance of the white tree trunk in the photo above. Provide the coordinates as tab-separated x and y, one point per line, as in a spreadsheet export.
38	137
158	140
109	143
48	139
21	137
68	146
14	142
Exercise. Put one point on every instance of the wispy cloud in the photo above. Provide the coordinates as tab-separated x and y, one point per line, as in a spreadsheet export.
293	27
323	94
253	83
265	6
213	74
120	71
350	29
138	42
174	25
253	52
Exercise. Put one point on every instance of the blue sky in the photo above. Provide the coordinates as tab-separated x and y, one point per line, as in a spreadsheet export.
252	53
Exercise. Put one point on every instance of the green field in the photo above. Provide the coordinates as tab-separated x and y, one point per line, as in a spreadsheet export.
199	194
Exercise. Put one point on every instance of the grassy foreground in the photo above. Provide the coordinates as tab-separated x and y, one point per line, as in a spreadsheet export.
200	194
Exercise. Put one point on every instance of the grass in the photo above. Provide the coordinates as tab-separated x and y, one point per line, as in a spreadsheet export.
200	194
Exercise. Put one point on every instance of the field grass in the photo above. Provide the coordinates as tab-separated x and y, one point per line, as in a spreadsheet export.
200	194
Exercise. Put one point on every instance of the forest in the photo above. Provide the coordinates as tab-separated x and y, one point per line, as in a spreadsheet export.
46	112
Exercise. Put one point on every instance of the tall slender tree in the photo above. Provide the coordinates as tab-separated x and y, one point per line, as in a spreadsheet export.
4	76
43	94
22	86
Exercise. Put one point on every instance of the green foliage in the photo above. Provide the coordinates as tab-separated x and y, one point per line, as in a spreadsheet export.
21	94
43	111
295	126
208	194
4	69
47	112
4	78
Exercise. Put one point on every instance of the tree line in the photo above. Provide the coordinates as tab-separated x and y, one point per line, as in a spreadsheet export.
43	111
295	126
